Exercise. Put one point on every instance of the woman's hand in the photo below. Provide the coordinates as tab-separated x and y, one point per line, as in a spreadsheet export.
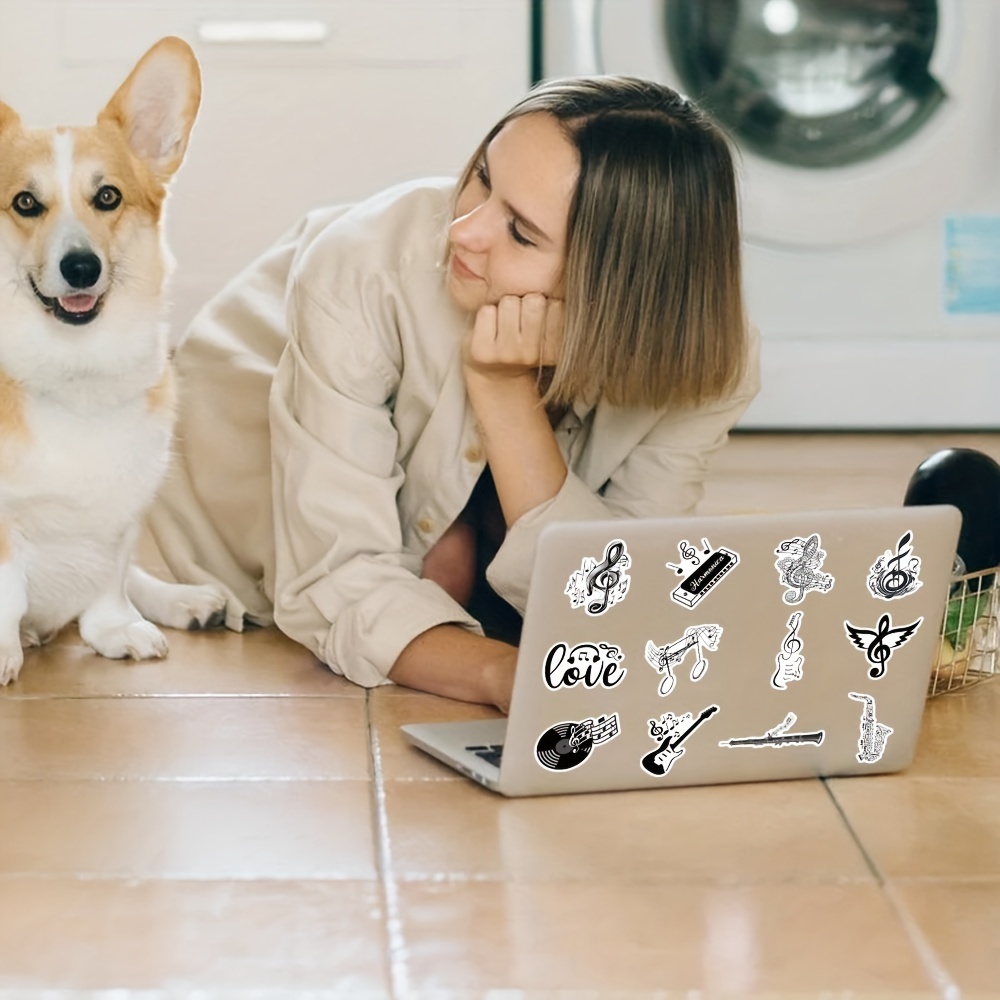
517	336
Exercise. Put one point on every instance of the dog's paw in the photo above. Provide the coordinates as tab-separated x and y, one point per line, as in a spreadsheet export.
195	607
140	640
11	659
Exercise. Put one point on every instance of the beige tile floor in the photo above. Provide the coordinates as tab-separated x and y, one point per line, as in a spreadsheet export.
236	821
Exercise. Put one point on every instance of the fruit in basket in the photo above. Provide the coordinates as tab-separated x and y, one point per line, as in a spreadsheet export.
969	480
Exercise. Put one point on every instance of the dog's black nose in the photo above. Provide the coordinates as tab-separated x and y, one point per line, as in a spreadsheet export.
80	268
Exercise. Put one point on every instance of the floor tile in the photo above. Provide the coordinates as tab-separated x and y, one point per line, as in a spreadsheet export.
184	936
259	661
399	759
958	735
926	827
189	737
582	936
253	829
961	922
779	831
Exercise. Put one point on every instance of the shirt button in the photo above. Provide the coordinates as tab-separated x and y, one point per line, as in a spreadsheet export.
425	525
474	454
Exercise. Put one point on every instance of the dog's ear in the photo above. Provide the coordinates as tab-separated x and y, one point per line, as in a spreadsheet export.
8	117
157	104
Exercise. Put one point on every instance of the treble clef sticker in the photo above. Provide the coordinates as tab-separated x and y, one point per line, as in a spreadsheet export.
597	586
798	565
894	574
788	663
878	643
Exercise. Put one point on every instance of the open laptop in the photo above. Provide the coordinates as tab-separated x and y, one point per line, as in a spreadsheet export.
706	650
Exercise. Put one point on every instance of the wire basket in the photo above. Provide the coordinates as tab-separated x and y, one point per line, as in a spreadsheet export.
967	651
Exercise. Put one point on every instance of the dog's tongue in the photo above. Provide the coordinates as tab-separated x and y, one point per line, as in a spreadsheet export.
77	303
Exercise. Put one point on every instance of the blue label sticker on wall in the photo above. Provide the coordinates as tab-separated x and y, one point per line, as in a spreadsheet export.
972	264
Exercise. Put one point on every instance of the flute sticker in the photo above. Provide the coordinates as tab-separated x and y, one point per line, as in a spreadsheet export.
895	574
569	744
789	661
798	565
871	742
670	731
598	586
778	736
879	642
697	639
592	664
701	571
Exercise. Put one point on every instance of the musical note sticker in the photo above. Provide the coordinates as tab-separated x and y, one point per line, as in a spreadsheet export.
568	744
701	571
894	574
798	565
778	736
696	639
670	731
871	742
789	661
597	586
873	641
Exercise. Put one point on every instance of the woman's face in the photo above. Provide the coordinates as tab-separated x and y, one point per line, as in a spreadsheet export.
509	233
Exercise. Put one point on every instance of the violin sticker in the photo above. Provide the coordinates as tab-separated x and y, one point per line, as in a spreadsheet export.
789	661
696	639
879	642
894	574
778	736
568	744
871	742
670	731
598	586
701	571
798	565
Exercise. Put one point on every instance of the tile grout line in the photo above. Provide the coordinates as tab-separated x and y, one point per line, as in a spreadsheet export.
398	972
932	964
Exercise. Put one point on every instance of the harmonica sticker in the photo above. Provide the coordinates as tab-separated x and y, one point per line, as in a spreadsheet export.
778	736
592	664
697	640
701	571
879	642
789	661
871	742
798	565
568	744
598	586
670	731
895	574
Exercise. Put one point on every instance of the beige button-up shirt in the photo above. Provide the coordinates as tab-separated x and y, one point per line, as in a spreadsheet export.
325	440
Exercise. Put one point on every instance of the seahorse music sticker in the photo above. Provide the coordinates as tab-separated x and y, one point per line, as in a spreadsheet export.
871	742
598	586
696	639
798	565
894	574
592	664
670	731
701	570
879	642
789	661
568	744
777	736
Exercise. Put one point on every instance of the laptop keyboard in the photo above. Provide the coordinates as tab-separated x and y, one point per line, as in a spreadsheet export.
491	754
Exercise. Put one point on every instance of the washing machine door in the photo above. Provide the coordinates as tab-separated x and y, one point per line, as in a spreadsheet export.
856	118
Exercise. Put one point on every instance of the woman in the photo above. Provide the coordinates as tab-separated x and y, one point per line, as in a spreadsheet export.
399	396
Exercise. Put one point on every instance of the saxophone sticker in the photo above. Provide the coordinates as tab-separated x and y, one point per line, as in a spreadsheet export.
798	565
894	574
871	743
598	586
789	661
697	638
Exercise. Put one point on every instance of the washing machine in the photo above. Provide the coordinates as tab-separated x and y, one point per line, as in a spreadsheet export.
868	146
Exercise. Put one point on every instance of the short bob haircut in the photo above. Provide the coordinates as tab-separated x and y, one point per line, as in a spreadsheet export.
653	299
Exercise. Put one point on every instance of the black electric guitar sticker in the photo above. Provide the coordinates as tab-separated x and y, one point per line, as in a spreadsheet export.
778	736
670	731
798	565
789	661
597	586
701	571
592	664
568	744
871	742
895	574
696	639
879	642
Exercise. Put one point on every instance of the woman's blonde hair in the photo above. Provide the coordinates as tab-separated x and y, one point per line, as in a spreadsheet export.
653	296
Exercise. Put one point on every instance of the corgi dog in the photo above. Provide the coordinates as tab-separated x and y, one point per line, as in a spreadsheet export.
86	385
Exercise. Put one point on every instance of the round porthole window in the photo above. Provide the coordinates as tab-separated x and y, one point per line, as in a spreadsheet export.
809	83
